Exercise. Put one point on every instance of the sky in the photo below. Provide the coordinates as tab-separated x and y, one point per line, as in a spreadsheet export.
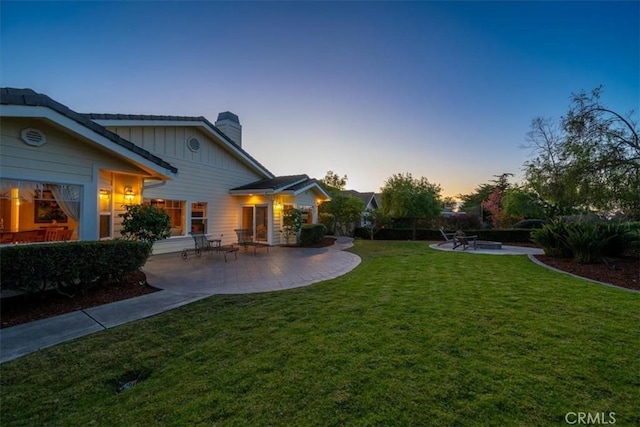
441	90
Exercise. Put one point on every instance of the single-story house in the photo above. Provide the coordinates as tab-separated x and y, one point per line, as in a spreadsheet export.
371	202
60	167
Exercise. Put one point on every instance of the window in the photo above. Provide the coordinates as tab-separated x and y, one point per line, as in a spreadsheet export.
307	214
175	209
30	205
105	213
199	217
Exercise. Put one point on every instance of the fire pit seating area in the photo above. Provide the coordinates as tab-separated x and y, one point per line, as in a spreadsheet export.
460	239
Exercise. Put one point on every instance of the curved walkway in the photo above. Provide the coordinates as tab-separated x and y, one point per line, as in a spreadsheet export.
183	282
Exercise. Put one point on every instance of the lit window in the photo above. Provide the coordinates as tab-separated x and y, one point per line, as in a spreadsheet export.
199	217
175	209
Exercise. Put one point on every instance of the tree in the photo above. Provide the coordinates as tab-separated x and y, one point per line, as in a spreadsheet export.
519	203
343	210
486	200
549	174
404	196
334	183
493	203
449	203
590	161
376	220
346	210
145	223
291	223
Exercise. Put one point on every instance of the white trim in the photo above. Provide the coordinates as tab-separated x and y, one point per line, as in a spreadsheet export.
188	123
312	185
42	112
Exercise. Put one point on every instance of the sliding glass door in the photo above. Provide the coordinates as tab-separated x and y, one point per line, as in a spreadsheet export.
256	220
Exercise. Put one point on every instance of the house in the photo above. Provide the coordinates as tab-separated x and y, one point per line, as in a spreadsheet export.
88	166
371	202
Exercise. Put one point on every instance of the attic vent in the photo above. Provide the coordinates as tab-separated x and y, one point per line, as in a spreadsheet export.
193	143
33	137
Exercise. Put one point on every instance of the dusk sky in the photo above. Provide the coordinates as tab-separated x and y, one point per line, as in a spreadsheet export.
444	90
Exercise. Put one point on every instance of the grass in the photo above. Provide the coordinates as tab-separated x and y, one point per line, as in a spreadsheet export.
413	336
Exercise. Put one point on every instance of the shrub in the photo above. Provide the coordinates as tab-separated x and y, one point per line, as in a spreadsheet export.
69	267
146	223
552	238
619	237
312	233
587	241
291	223
328	220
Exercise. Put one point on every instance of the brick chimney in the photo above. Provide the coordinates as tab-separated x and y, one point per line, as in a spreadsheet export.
229	124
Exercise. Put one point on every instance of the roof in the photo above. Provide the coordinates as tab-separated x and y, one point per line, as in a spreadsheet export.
31	98
293	184
186	119
365	197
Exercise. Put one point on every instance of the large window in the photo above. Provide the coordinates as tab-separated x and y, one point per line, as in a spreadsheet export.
176	210
30	206
199	217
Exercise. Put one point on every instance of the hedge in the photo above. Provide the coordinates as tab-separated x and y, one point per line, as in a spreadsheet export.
69	266
313	233
510	235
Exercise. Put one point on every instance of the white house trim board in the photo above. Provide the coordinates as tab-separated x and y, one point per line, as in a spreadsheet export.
43	112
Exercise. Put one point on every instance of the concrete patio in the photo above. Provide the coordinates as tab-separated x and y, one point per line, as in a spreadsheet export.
186	281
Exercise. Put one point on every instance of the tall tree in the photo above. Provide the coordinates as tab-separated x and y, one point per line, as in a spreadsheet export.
549	173
589	161
404	196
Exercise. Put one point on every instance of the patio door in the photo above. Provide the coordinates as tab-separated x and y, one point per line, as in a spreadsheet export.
262	223
256	220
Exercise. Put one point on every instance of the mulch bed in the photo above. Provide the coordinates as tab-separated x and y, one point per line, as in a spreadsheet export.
20	309
623	272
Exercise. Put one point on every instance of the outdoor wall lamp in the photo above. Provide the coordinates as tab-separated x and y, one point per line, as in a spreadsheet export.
129	195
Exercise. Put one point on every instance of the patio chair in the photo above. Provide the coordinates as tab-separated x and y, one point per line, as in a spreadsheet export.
461	239
448	237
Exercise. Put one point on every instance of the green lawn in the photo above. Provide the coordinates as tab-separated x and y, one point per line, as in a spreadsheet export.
412	336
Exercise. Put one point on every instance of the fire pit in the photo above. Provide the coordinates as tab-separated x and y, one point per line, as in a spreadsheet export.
483	244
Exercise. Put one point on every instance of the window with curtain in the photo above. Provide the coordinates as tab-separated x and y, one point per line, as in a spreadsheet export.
32	205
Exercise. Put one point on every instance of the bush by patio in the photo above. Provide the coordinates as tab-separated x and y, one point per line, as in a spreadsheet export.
69	267
312	233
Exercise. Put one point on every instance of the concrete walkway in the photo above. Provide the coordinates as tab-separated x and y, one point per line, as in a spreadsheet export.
183	282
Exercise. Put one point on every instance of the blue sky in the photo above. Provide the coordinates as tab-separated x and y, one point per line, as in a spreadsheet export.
444	90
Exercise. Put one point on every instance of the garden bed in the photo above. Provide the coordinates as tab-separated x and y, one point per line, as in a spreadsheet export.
22	309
